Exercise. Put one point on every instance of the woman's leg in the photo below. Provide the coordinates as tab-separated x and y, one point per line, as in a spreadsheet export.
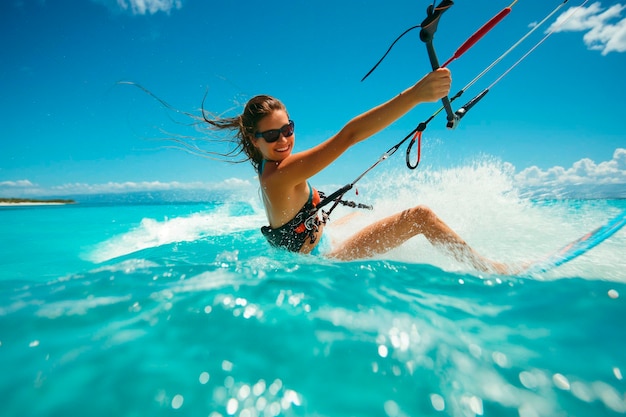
394	230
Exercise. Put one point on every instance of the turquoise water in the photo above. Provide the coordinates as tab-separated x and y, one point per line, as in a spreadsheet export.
133	309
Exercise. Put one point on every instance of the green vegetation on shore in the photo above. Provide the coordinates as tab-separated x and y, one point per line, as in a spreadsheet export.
30	200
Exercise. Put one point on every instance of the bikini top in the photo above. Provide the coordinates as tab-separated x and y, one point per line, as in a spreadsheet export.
305	224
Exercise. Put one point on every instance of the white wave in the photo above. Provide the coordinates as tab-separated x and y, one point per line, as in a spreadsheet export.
152	233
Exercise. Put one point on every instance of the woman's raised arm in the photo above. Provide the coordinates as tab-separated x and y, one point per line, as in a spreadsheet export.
301	166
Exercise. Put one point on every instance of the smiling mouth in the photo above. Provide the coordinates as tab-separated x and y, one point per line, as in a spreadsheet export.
286	148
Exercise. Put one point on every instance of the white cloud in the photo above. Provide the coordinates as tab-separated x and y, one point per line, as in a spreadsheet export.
235	183
16	184
131	186
150	6
583	172
142	7
606	29
25	188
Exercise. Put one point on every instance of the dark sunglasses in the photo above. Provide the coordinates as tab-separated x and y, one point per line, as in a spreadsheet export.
272	135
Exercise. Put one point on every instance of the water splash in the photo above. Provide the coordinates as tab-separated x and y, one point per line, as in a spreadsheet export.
152	233
480	201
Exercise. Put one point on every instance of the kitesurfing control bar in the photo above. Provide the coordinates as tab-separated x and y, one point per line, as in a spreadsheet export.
427	34
428	29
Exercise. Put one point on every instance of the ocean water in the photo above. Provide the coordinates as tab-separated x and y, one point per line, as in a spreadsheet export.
131	308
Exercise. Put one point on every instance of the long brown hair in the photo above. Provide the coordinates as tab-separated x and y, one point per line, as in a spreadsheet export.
245	126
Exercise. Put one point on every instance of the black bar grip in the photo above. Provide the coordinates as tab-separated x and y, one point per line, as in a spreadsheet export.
429	25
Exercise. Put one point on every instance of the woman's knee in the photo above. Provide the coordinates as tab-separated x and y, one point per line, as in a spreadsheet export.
421	215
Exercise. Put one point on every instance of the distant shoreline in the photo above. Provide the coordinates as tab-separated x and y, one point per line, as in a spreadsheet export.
5	202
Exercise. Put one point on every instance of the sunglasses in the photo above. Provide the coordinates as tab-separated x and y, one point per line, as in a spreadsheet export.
272	135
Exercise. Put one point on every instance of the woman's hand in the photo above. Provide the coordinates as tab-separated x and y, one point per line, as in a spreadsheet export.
433	86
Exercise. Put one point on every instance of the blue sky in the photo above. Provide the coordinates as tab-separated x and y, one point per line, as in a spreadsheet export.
68	127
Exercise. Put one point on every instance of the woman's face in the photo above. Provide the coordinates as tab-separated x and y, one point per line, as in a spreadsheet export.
282	148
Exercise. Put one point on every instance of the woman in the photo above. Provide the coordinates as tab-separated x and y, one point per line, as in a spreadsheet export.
266	135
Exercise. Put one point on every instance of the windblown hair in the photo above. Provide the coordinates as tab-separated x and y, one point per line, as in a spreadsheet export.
245	126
